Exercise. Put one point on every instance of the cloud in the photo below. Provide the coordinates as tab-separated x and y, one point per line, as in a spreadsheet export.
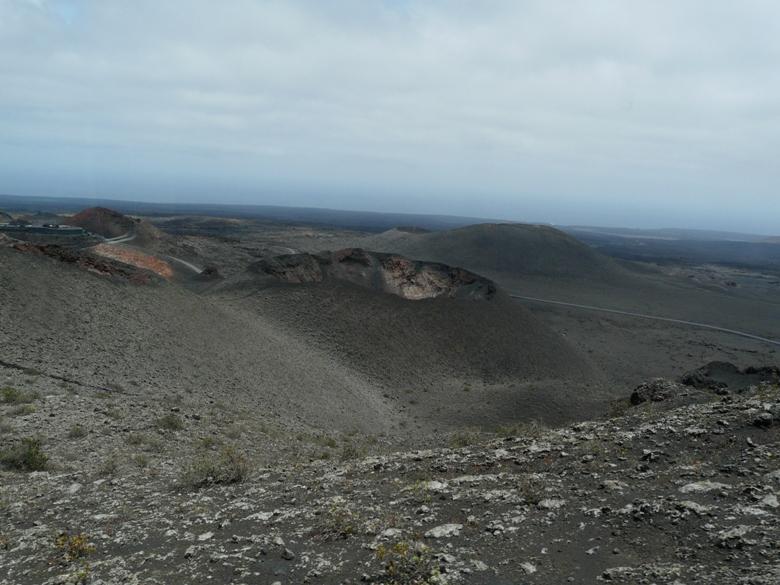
532	109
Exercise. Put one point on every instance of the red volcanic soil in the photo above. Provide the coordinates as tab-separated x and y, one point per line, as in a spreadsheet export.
102	221
135	258
103	267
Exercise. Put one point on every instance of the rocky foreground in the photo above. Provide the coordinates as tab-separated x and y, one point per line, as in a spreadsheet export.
660	494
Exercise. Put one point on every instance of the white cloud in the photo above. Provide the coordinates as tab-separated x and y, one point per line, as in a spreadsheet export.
536	108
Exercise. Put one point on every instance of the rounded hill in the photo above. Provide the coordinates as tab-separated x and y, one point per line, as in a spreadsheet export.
511	248
406	324
103	222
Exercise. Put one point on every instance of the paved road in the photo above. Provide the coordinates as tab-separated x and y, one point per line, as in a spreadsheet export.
189	265
128	237
652	317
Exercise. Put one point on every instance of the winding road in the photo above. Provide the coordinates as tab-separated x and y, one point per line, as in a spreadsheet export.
189	265
651	317
128	237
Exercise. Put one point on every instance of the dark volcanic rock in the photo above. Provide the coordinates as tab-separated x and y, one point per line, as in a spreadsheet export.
655	391
390	273
724	377
292	268
210	273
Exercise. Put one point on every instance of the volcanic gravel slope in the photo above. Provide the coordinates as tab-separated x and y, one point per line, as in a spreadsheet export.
161	340
658	495
327	356
448	360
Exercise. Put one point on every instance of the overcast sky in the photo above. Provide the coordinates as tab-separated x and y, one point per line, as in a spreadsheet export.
639	113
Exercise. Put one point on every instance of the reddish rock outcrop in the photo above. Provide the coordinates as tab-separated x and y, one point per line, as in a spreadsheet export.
135	258
86	261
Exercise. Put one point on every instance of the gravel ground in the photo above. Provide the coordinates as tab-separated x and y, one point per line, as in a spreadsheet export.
659	495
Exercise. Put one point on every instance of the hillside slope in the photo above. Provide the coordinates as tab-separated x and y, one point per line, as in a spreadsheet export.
514	249
161	341
327	355
465	357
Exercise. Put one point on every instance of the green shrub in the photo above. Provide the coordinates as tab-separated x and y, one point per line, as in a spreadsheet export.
170	422
351	451
9	395
141	460
148	441
77	431
74	547
109	466
339	522
408	563
229	466
208	442
464	439
531	488
74	550
533	429
28	455
22	410
113	413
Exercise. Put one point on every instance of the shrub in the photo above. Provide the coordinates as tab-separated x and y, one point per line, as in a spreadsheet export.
464	439
229	466
22	410
407	563
527	430
325	441
109	466
170	422
350	451
28	455
141	460
208	442
339	522
234	431
531	488
74	547
113	413
618	408
77	431
149	442
9	395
